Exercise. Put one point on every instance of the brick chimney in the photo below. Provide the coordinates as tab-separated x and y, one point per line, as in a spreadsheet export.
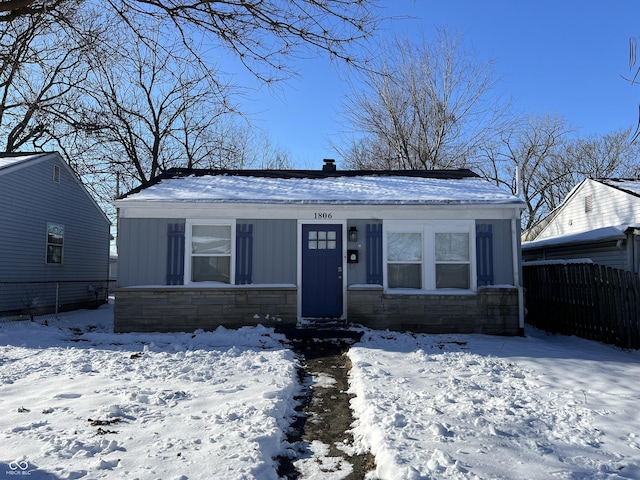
329	165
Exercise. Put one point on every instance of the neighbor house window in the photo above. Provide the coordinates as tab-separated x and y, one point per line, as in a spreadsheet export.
430	255
55	243
452	260
211	253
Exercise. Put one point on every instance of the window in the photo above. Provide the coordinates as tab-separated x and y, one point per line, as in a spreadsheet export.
211	253
55	242
404	260
431	255
452	260
321	240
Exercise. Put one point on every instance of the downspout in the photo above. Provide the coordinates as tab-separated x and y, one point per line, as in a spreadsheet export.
515	235
634	244
632	241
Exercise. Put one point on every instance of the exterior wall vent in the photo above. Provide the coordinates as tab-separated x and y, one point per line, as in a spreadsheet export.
588	204
56	173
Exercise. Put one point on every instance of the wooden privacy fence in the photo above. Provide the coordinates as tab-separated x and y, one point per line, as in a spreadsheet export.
584	299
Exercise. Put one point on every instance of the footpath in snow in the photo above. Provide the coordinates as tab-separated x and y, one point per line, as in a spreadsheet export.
78	401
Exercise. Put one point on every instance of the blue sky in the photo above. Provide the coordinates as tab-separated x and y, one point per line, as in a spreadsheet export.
554	56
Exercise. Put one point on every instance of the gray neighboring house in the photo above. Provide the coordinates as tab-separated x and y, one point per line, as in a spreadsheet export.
54	238
599	221
424	251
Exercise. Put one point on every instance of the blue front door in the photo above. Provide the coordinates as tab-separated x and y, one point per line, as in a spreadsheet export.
322	271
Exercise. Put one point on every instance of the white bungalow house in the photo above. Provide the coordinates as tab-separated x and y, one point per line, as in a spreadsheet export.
599	221
430	251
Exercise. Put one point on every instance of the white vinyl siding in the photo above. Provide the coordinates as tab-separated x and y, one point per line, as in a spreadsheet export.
608	206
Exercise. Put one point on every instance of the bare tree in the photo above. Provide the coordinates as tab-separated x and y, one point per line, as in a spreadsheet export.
145	112
262	34
120	111
607	156
533	151
162	103
541	159
14	9
422	107
149	111
38	78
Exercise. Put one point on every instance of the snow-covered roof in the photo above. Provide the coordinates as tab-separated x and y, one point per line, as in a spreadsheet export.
628	185
11	159
598	235
352	188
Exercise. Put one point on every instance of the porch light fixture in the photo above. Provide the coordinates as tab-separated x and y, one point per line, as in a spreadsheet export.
353	234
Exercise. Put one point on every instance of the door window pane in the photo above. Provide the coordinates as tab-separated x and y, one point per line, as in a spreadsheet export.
319	240
331	240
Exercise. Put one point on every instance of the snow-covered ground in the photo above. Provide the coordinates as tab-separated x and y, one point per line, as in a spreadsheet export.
475	406
77	401
156	406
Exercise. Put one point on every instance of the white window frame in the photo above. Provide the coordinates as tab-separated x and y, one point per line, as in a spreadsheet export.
421	262
188	247
428	229
46	250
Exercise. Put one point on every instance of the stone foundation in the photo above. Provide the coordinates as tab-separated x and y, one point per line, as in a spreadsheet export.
491	310
185	309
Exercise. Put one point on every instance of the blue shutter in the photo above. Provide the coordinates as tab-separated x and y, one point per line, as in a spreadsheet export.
175	254
374	253
244	253
484	254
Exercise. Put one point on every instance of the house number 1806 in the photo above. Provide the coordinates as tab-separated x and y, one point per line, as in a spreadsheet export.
325	215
